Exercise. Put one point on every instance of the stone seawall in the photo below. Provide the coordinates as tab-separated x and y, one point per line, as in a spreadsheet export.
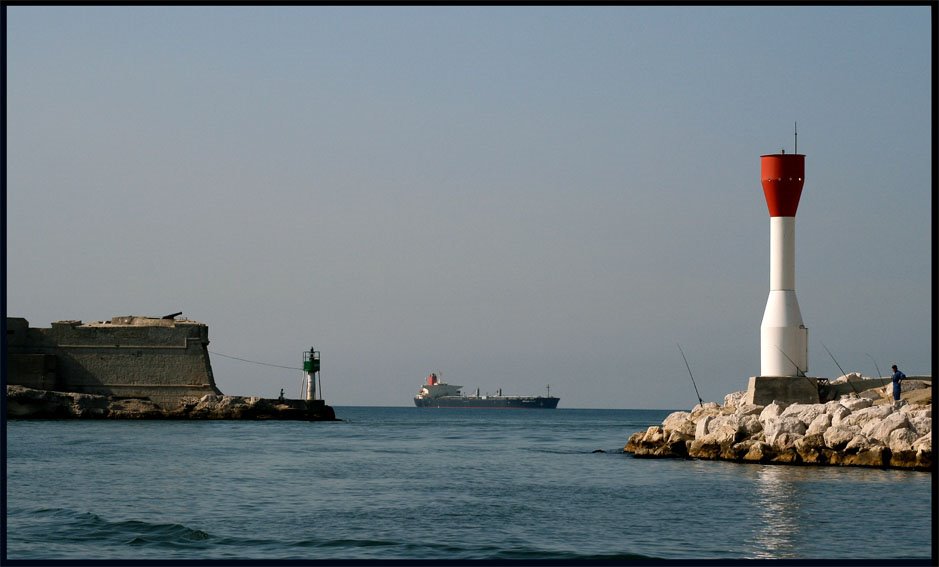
163	360
859	429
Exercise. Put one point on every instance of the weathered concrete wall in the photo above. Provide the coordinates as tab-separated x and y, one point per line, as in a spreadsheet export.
762	390
163	360
34	371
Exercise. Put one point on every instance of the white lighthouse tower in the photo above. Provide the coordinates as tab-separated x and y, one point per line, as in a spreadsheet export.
783	336
784	358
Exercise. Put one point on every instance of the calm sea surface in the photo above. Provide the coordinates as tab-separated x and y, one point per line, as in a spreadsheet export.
410	483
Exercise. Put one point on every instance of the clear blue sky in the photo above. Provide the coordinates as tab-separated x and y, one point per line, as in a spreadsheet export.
512	196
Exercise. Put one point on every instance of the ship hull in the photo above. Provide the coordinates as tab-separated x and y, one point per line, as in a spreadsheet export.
491	402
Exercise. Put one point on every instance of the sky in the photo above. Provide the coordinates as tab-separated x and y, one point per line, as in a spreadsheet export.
513	197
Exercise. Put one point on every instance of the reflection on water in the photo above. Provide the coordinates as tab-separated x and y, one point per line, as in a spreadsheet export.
802	511
778	511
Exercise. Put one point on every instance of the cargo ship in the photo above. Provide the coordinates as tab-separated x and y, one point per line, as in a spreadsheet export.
437	394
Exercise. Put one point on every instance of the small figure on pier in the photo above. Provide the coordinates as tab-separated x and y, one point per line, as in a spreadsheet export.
897	378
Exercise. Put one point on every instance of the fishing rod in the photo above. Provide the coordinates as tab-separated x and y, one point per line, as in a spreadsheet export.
879	375
799	371
843	373
700	401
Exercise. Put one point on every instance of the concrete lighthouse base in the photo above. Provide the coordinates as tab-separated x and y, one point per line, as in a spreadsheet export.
762	390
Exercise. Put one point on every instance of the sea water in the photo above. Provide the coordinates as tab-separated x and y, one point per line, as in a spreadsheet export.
413	483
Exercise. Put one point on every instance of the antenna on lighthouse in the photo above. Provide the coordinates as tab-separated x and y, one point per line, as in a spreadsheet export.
795	130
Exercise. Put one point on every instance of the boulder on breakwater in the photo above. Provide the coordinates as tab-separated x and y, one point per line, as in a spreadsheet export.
29	403
858	429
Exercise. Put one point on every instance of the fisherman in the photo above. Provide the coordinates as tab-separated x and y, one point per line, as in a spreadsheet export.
897	377
281	397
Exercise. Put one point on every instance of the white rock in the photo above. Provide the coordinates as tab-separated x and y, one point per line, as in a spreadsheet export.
734	399
917	409
701	410
701	426
819	425
901	439
676	435
725	433
855	403
679	421
772	411
785	440
836	437
654	434
920	423
858	443
748	409
923	444
723	422
849	377
837	412
879	430
776	427
860	418
805	412
873	394
749	426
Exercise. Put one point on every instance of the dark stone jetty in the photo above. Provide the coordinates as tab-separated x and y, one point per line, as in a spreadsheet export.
29	403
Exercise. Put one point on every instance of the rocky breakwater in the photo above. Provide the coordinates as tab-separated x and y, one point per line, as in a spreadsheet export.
855	430
28	403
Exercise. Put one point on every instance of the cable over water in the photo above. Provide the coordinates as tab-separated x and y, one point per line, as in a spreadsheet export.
254	361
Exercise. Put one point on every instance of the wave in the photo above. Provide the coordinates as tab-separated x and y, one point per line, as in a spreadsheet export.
542	554
351	548
345	543
77	526
96	535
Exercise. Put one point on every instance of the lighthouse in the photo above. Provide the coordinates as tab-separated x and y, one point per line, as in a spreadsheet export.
784	358
311	368
783	336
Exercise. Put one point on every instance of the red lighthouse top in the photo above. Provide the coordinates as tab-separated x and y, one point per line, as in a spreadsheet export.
782	176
